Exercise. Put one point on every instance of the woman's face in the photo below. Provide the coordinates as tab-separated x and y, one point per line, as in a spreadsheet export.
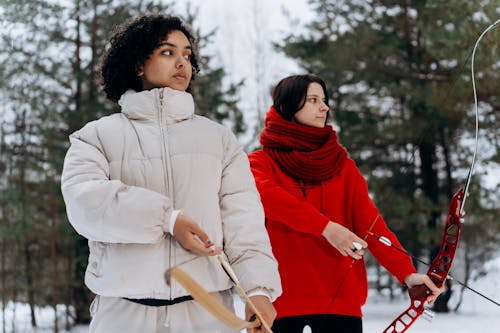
169	65
315	110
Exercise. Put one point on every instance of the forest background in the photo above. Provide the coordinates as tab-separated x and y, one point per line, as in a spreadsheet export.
398	74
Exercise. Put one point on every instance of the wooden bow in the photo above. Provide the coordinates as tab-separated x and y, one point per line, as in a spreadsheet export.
211	304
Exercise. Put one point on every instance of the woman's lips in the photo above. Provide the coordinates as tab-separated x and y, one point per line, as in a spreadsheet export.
180	76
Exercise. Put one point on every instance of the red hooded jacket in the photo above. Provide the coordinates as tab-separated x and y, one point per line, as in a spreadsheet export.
315	277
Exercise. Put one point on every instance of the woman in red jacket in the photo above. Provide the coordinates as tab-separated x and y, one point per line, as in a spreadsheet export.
318	213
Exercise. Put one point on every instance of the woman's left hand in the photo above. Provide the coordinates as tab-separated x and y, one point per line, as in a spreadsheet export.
266	309
416	279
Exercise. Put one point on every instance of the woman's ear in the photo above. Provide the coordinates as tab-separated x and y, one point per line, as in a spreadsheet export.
139	70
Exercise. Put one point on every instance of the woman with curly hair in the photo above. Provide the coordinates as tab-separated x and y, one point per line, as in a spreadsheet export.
318	213
156	186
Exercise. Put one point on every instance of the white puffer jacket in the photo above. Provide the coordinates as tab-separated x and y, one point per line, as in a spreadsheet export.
125	173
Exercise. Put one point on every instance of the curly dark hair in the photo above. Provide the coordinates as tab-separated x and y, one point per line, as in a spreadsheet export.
131	44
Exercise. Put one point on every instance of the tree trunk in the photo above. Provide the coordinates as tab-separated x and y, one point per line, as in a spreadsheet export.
4	284
467	270
447	161
431	190
81	295
429	179
29	281
53	259
23	200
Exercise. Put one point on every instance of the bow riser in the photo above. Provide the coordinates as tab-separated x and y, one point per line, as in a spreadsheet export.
438	271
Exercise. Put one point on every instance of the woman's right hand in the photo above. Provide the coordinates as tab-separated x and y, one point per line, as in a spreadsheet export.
193	238
343	240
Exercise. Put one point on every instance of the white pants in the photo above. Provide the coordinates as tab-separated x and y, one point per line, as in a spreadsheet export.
118	315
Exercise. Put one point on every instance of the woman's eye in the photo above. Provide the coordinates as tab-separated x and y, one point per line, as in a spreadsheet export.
313	99
187	56
167	52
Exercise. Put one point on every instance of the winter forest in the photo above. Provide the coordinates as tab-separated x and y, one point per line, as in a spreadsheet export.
401	100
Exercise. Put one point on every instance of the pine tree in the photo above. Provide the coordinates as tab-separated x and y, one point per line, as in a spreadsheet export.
212	98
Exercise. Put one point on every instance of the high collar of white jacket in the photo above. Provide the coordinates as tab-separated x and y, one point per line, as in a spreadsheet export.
156	104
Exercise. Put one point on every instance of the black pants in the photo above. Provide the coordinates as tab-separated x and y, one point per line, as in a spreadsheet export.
321	323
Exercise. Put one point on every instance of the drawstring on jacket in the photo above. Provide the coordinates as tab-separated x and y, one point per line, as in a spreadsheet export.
303	188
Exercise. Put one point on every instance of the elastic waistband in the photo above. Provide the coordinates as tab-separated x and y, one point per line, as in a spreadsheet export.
159	302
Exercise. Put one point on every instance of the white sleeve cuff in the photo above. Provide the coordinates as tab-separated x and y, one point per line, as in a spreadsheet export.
171	222
259	292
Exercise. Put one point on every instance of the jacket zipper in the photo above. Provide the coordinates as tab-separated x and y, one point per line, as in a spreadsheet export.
166	161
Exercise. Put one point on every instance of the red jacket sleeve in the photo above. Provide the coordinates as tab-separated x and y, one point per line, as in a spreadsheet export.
367	217
280	205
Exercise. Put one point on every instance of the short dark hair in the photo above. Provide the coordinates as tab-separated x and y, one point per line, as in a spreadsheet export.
289	95
131	44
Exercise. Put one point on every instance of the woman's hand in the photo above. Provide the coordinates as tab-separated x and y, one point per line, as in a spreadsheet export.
193	238
344	240
416	279
266	309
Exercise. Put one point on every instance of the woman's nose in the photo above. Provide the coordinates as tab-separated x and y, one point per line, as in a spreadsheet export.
324	107
181	62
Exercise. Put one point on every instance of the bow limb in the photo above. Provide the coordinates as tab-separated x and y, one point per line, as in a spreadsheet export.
232	275
206	300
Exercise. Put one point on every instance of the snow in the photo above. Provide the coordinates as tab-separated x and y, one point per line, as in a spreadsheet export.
475	314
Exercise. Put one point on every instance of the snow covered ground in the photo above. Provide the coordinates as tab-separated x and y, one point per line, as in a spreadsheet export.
476	315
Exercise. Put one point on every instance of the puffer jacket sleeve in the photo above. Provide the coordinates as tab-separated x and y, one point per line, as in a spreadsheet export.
246	242
107	210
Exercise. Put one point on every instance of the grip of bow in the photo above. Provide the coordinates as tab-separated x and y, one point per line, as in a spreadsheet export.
438	271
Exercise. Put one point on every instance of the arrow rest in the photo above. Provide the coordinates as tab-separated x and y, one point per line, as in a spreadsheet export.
428	315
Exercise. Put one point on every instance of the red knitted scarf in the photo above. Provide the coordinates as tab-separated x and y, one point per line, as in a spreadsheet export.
307	153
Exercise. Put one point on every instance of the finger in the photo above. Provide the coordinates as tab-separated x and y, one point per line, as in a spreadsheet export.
434	291
361	242
428	282
356	246
355	255
212	248
356	251
216	251
202	235
196	245
432	298
360	253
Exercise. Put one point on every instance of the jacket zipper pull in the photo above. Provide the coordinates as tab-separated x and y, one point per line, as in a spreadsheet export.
161	100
